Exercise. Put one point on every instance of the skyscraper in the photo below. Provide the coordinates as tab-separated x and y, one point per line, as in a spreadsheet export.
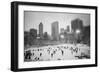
55	31
41	30
77	24
77	28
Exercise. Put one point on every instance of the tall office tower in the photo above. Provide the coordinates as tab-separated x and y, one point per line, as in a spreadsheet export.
77	28
55	31
77	24
41	30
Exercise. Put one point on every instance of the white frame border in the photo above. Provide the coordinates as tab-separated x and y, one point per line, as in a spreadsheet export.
22	64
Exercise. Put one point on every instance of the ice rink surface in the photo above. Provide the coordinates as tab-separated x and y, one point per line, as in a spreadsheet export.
57	52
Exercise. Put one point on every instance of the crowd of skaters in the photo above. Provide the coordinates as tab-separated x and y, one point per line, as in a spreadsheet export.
55	52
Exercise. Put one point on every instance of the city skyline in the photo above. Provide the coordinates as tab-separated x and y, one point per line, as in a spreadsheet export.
33	19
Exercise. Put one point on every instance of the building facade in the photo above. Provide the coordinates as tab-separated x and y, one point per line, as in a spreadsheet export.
77	28
77	24
55	31
41	30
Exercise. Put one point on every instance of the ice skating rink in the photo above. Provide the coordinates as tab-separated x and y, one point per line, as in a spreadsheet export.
57	52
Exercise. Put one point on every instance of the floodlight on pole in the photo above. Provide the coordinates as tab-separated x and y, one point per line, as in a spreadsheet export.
78	31
62	36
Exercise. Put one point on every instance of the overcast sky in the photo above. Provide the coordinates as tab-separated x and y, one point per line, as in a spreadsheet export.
32	20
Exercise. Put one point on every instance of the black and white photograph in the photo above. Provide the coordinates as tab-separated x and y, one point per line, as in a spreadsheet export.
56	36
53	36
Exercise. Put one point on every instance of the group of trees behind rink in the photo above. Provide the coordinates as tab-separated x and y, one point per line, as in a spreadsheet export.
30	38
